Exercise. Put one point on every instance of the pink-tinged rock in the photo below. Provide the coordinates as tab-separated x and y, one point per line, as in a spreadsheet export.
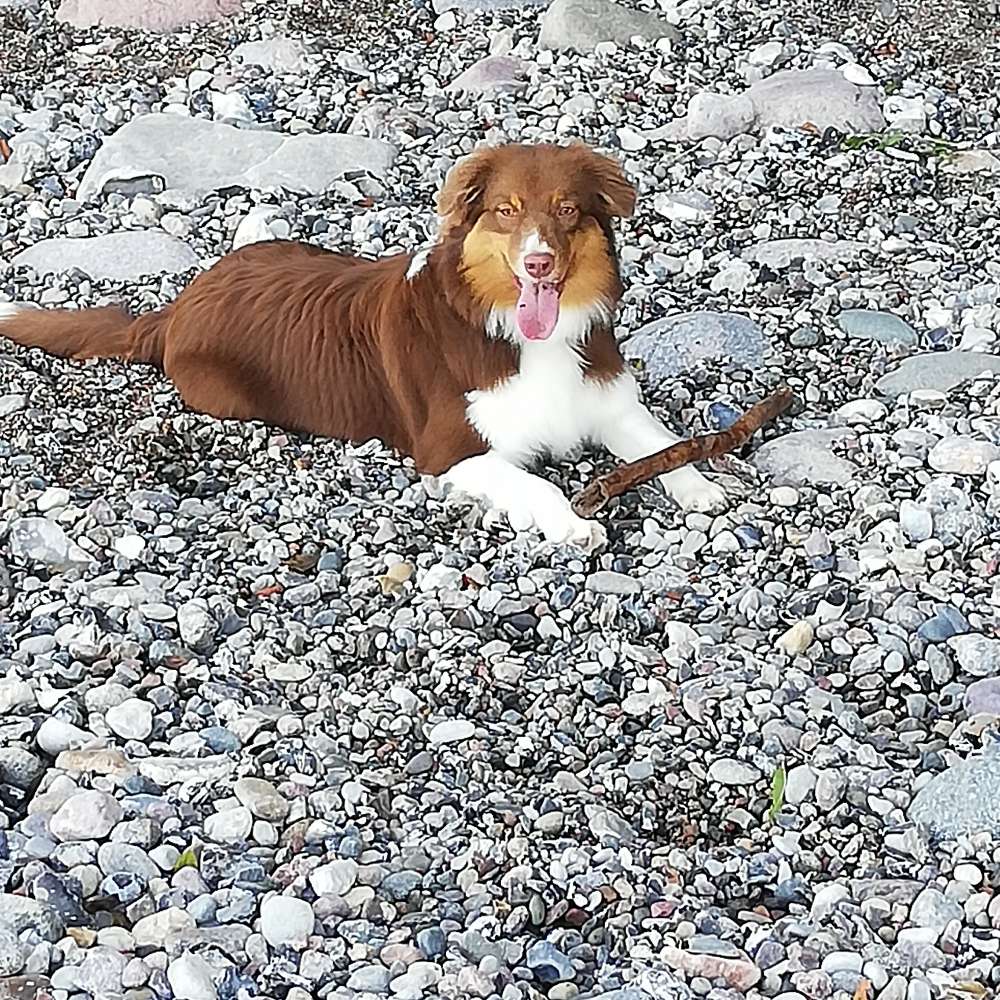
491	73
153	15
739	973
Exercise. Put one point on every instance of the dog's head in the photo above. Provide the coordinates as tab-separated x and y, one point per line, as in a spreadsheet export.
535	228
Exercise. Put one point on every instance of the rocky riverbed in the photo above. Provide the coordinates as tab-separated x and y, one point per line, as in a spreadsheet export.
279	719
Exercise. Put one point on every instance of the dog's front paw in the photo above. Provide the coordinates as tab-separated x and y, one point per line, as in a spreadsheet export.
691	491
587	535
555	519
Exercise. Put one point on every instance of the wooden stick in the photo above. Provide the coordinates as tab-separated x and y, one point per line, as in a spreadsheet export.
596	494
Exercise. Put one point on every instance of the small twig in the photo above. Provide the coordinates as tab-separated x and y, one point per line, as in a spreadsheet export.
595	495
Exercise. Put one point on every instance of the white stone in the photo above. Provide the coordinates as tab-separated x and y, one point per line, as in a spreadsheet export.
198	79
52	498
969	873
153	930
287	673
584	24
130	546
196	625
784	496
842	961
766	54
631	140
261	798
972	161
286	921
253	227
492	73
451	731
825	899
131	720
962	455
230	826
440	577
917	522
87	815
12	402
858	75
684	206
54	736
905	113
280	54
799	783
232	106
336	878
796	639
190	978
729	771
39	540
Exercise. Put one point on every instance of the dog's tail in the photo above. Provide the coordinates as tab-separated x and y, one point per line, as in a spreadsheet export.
108	332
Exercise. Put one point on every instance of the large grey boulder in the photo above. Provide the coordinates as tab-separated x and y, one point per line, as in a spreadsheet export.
789	99
474	6
492	73
123	256
963	799
939	371
198	156
153	15
674	344
583	24
805	458
824	97
782	253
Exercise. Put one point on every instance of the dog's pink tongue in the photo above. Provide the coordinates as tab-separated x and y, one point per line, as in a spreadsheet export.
537	309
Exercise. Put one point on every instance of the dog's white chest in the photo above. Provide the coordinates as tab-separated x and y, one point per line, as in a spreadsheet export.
548	407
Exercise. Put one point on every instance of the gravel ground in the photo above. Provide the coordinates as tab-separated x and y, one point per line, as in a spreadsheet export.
278	719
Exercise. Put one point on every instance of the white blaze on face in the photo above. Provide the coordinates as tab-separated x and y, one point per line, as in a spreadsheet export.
537	310
533	243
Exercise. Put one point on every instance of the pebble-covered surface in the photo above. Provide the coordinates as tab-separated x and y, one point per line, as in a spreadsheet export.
278	719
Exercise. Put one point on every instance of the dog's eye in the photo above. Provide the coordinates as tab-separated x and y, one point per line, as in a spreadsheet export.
565	211
506	211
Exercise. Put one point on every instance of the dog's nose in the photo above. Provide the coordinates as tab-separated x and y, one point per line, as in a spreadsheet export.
538	265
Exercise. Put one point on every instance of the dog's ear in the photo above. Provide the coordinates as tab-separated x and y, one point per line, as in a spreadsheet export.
615	192
463	188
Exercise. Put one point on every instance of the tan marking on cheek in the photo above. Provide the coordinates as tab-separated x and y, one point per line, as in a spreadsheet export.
590	276
485	267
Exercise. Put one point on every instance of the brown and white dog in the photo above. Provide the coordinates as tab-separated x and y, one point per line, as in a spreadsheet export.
475	357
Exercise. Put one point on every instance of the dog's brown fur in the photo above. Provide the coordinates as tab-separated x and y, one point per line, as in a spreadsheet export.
315	341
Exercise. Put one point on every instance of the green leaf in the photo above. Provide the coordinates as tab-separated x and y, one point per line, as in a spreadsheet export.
777	792
187	860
